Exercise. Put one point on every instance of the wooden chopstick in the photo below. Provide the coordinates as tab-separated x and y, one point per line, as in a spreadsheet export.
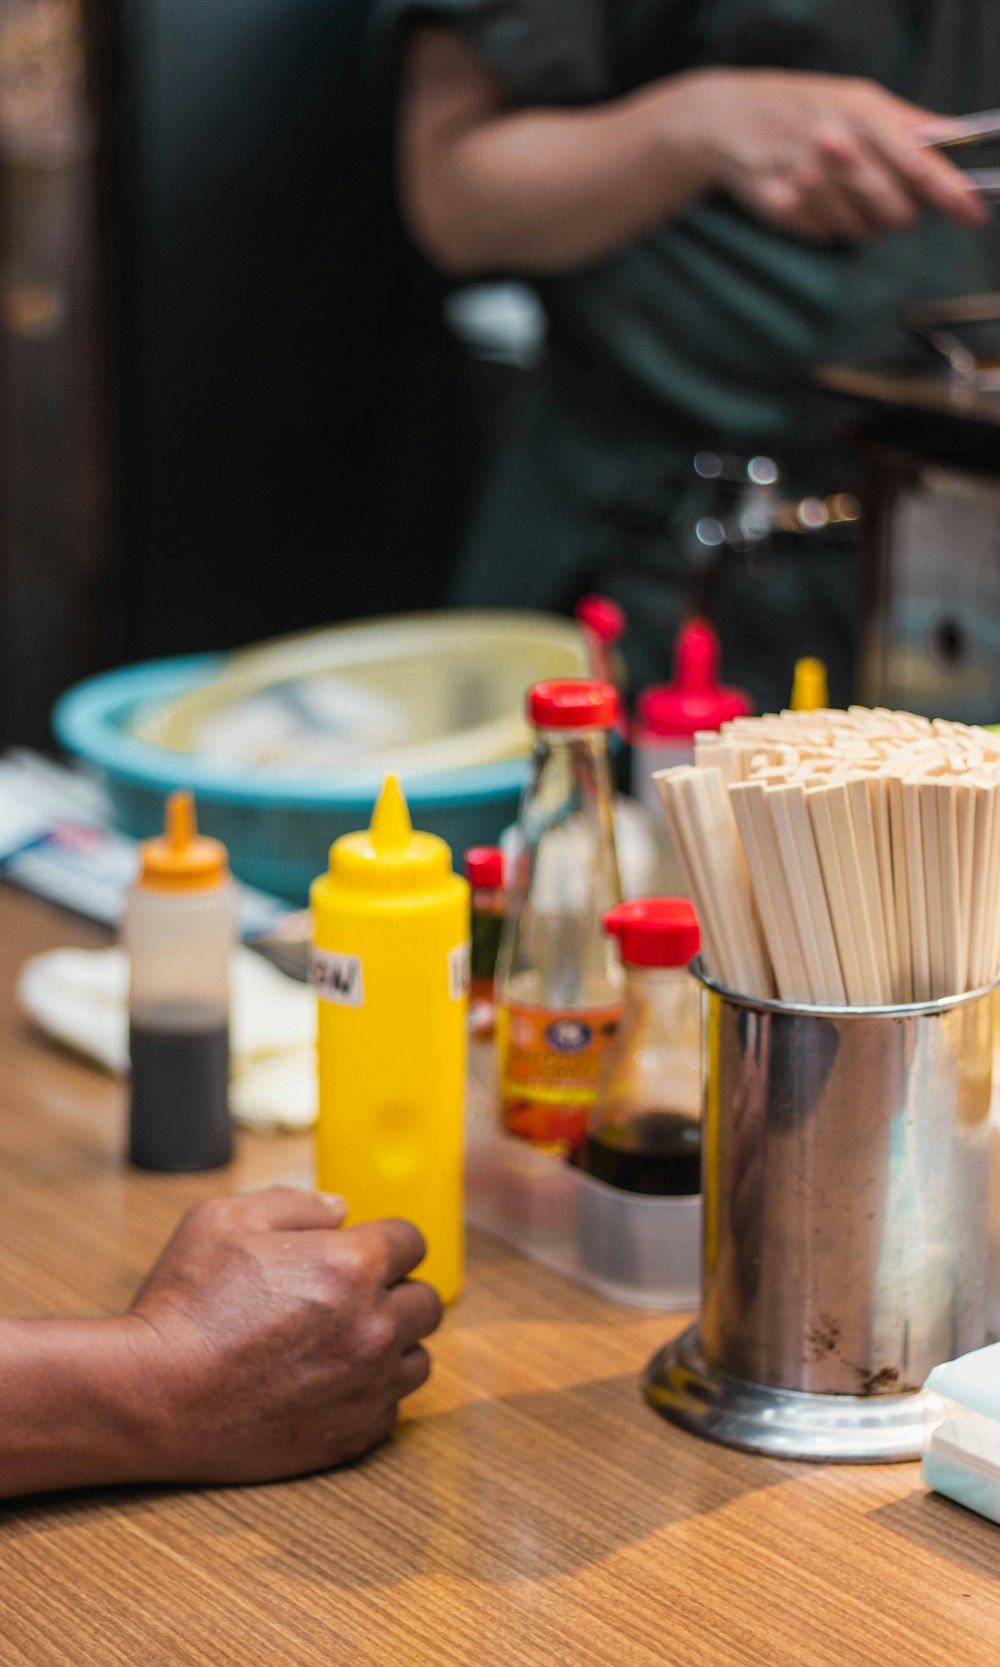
843	857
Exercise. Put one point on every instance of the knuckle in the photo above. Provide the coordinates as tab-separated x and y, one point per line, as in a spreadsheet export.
777	197
806	178
350	1263
840	146
376	1339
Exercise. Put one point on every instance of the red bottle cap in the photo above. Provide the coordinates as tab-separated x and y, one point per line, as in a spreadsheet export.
602	616
655	931
695	699
573	703
484	867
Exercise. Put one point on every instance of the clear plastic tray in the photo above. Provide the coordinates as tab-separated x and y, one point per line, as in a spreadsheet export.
640	1251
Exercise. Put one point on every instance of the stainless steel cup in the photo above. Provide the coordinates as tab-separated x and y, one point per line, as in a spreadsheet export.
844	1236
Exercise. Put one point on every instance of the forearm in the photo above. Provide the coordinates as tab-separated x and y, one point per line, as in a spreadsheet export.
544	190
75	1410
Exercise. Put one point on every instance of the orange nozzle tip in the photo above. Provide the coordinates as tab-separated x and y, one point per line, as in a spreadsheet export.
391	828
180	859
180	825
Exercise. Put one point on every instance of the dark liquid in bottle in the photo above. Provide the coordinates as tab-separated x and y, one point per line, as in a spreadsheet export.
658	1153
179	1113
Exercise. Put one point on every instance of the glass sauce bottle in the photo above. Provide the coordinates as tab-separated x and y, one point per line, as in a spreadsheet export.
644	1133
558	983
484	872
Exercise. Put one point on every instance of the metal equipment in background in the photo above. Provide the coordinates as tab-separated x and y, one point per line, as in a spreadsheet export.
931	553
930	537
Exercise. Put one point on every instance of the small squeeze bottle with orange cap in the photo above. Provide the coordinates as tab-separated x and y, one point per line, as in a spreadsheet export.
179	929
390	965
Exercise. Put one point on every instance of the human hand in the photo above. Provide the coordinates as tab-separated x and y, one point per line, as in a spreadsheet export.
271	1341
822	157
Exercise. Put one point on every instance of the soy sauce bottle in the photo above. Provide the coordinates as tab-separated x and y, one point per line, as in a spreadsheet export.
484	872
179	929
644	1132
558	980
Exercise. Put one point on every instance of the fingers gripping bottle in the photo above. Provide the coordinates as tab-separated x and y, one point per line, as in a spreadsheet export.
558	979
390	965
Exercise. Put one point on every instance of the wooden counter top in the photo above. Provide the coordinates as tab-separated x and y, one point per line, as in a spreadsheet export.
531	1509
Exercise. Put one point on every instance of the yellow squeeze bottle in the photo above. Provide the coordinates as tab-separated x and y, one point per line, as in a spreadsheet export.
809	688
390	964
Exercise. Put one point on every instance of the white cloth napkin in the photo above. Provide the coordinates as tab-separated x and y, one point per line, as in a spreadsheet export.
80	997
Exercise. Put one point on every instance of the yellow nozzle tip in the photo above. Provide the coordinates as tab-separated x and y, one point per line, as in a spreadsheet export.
809	686
391	828
180	822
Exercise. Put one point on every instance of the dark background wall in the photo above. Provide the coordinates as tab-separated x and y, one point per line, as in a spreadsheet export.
274	431
290	442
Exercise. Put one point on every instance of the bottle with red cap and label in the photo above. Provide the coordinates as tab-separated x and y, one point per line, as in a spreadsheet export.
603	624
179	928
667	718
558	982
669	715
644	1131
484	872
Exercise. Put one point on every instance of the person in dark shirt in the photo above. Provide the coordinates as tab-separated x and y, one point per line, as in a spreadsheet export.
711	197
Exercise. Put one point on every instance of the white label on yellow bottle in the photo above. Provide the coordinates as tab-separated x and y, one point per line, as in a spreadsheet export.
459	972
337	978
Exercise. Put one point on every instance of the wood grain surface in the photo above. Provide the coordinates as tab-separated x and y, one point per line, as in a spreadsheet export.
530	1509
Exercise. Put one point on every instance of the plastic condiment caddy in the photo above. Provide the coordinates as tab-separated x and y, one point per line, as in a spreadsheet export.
537	1203
636	1242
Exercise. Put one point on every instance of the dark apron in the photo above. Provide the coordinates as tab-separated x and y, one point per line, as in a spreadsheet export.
571	507
711	346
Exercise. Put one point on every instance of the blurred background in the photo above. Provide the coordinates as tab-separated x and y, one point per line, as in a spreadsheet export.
235	402
220	359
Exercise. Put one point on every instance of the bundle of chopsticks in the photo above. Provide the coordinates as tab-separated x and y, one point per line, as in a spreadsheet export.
842	858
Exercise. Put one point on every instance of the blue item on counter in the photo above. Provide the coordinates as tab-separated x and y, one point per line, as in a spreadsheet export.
278	832
962	1449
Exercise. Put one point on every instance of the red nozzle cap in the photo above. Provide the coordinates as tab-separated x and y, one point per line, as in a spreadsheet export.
573	703
484	867
602	616
655	931
695	699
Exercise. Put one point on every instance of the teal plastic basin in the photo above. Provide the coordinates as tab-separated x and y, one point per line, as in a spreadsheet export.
278	830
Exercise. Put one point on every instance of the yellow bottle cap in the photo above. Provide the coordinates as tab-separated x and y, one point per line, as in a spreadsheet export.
809	687
389	856
180	859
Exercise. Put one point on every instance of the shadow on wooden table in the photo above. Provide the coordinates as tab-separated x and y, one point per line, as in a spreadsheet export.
949	1530
500	1491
